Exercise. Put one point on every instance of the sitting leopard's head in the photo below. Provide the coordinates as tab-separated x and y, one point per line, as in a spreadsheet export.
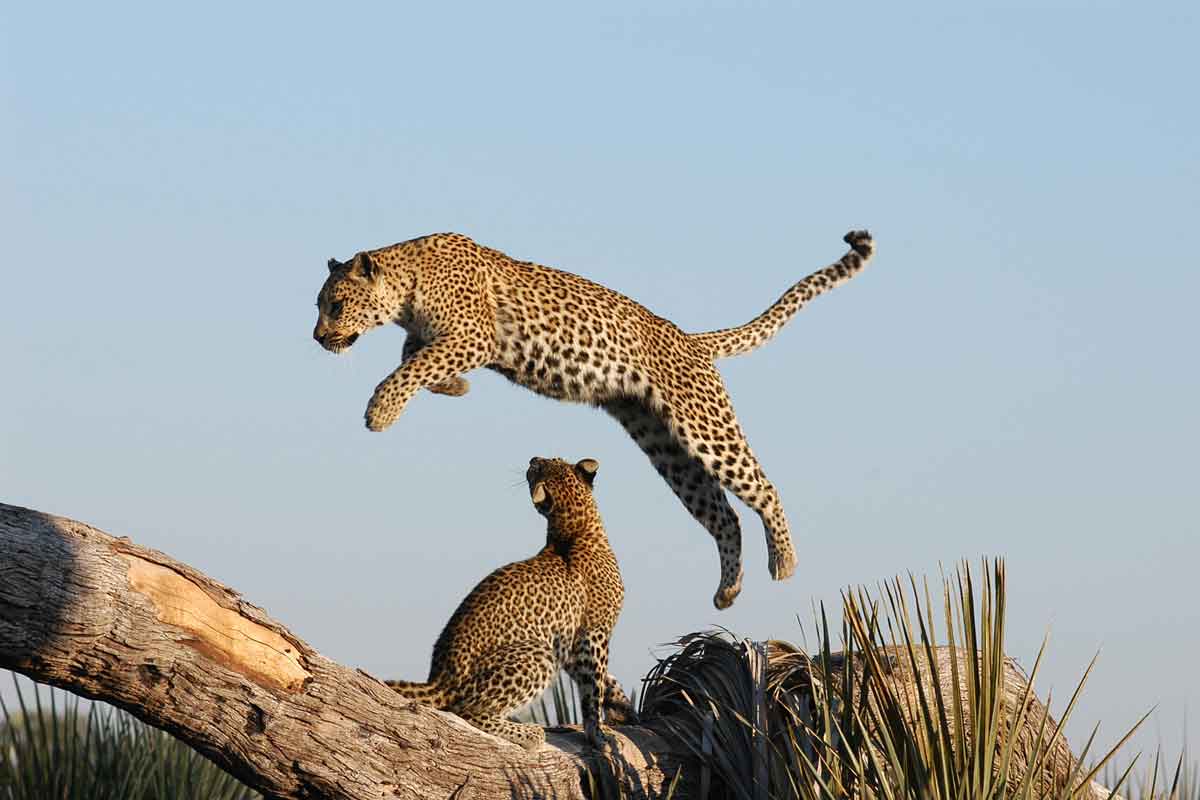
354	299
557	487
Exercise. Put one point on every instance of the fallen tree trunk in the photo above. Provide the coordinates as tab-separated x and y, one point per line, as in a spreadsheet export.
113	621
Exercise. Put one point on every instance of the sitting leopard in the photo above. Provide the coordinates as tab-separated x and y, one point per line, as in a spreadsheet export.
467	306
526	621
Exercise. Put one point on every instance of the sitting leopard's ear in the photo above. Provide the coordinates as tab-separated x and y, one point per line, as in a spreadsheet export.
334	264
363	267
540	497
586	469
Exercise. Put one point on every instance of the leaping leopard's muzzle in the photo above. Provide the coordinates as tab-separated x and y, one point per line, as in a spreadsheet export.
333	342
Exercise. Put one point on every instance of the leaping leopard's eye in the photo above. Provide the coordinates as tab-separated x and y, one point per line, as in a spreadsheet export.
335	308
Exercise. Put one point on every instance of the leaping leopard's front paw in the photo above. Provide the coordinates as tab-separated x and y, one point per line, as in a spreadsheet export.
451	387
861	242
380	415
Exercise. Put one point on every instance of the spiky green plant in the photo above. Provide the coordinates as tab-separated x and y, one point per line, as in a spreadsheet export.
1182	782
53	747
895	715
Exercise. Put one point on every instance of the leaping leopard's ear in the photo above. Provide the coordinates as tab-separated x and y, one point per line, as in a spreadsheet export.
586	469
540	497
363	267
334	264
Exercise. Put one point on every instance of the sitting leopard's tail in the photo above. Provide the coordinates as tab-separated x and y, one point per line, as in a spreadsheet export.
431	694
744	338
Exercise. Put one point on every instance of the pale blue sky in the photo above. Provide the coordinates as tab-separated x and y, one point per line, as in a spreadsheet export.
1014	375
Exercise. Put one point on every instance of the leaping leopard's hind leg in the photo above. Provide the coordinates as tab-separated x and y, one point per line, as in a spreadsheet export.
451	387
695	487
503	681
699	414
442	359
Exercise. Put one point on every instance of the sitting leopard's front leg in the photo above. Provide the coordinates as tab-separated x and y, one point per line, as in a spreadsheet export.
439	361
588	667
451	387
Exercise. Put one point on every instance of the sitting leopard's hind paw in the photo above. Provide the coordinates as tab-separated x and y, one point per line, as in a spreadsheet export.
621	714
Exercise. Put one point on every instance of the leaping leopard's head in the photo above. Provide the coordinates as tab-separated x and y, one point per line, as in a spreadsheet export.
556	487
354	299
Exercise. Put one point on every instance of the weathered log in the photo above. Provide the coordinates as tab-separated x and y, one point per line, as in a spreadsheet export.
113	621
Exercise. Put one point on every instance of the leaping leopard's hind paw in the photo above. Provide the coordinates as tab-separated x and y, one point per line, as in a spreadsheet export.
725	595
861	242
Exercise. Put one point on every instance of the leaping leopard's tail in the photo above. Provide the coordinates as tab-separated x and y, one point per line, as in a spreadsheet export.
744	338
431	694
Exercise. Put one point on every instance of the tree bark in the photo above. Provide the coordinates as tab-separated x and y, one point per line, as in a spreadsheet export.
113	621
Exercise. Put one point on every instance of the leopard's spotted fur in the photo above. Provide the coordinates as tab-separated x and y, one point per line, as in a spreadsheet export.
525	621
467	306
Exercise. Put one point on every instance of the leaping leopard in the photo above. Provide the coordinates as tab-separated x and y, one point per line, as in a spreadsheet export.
467	306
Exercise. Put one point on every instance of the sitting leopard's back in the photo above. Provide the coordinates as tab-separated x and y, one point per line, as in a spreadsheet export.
538	598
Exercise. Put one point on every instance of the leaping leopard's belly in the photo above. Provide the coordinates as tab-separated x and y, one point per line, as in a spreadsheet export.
569	339
568	373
